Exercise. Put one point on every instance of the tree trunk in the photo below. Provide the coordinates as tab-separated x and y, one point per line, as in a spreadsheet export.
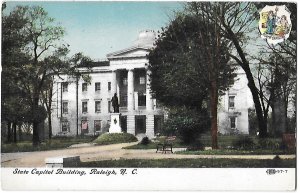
15	132
214	114
35	137
273	131
251	84
20	132
259	113
8	132
49	110
77	106
50	125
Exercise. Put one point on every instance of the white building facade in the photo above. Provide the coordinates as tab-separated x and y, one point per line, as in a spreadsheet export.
81	107
125	73
234	105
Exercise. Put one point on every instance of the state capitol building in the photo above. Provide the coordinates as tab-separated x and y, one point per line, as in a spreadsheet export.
80	107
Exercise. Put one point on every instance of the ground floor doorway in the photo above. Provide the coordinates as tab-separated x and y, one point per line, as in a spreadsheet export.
123	122
140	124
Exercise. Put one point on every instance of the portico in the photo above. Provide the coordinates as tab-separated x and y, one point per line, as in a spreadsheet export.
125	73
131	82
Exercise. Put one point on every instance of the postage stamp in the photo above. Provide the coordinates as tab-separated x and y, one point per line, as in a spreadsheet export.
275	23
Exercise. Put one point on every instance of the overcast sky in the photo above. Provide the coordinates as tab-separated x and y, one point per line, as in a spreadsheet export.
99	28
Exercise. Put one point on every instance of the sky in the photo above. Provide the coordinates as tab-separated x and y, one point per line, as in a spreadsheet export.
98	28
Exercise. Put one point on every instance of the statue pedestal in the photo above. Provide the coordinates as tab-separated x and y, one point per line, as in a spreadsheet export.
115	123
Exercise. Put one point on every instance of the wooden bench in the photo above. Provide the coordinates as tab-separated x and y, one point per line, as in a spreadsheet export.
167	145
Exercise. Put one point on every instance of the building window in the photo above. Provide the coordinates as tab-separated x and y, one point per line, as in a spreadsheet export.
65	126
97	86
84	107
84	87
65	107
84	126
232	122
142	80
231	101
97	125
125	81
141	99
109	86
109	106
64	86
123	100
97	106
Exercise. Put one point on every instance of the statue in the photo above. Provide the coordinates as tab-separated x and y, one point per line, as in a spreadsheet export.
115	103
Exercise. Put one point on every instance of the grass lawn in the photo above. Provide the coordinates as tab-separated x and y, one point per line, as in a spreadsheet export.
236	152
223	141
152	146
192	163
55	143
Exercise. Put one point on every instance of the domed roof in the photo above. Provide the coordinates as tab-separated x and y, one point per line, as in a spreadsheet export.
146	38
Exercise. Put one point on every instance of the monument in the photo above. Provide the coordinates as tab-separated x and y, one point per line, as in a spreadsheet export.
115	116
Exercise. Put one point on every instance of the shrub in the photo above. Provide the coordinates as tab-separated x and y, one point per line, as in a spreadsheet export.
187	124
269	143
145	141
112	138
244	143
197	145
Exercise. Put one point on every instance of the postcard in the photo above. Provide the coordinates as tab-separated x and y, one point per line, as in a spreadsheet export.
148	95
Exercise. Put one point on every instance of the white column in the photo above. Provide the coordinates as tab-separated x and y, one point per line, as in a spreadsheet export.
150	126
114	83
149	101
130	90
136	101
131	124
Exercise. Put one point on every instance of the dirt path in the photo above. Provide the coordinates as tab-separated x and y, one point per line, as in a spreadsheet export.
106	152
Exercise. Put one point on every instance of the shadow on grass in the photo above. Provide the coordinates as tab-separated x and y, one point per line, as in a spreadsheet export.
193	163
53	144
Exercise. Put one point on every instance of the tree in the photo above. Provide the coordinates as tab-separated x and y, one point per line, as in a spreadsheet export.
14	104
281	60
236	22
45	56
190	61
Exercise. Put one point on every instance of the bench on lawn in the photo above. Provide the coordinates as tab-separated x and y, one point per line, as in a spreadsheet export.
167	145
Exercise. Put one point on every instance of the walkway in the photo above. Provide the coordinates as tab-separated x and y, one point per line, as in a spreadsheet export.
107	152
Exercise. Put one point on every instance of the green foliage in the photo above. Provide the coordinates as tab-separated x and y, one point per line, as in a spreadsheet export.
112	138
33	53
253	124
187	124
179	62
191	163
236	152
145	141
55	143
177	143
269	143
197	145
244	143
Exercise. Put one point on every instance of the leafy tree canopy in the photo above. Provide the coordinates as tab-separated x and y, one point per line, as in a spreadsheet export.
179	65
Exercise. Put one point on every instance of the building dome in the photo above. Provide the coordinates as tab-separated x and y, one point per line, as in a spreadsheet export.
146	38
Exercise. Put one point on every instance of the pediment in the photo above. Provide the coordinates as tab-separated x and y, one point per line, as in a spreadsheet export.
129	53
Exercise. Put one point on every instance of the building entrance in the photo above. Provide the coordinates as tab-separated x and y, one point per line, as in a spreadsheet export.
124	123
140	124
